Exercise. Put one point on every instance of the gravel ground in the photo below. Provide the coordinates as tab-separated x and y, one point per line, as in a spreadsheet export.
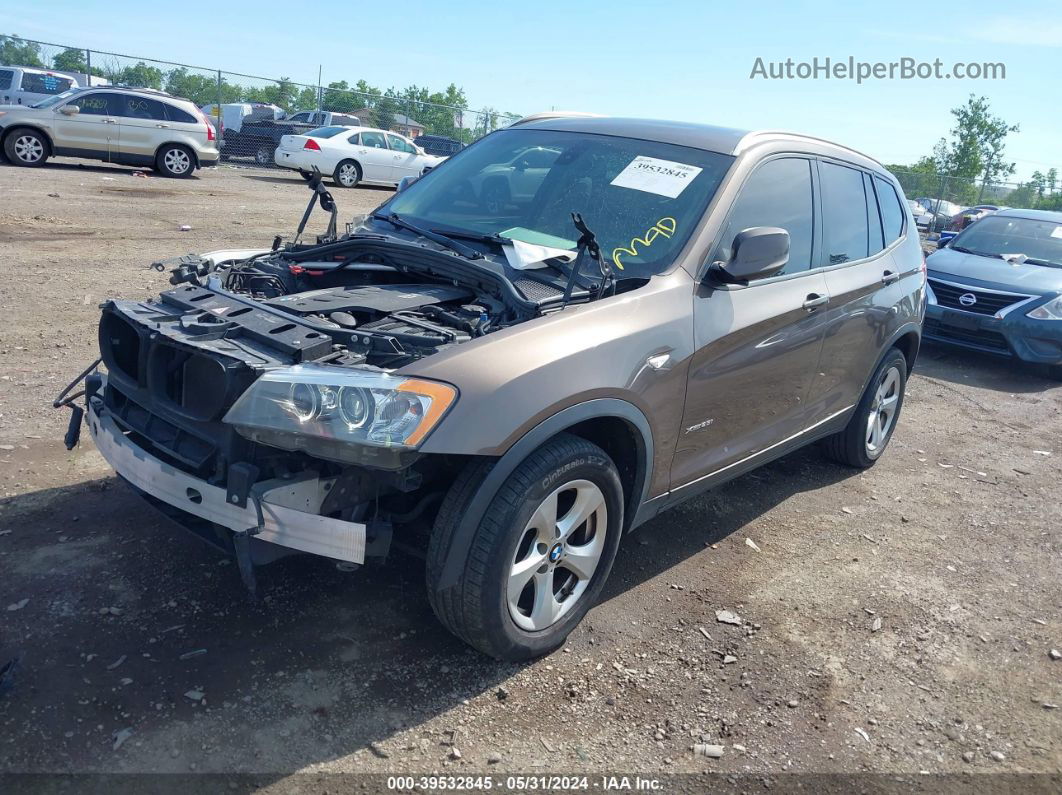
896	621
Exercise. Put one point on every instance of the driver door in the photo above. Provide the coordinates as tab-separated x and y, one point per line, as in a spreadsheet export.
757	347
94	129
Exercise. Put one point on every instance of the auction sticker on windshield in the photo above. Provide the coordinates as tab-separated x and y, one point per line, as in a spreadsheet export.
652	175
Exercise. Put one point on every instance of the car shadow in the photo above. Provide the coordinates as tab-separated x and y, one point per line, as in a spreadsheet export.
94	167
960	366
332	660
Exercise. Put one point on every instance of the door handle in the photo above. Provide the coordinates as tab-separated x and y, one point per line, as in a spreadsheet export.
165	126
814	301
109	121
888	277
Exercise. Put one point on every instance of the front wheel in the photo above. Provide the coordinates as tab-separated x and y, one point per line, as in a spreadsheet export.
263	155
25	147
869	430
175	161
540	555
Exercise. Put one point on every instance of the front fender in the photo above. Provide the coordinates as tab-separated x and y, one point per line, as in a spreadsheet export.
536	437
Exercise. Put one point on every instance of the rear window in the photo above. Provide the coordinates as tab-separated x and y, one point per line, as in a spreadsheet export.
5	79
325	132
178	115
45	84
891	212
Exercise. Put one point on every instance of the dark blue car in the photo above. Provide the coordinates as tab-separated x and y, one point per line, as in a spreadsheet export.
996	287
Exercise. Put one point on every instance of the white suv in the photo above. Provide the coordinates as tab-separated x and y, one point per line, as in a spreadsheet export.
137	127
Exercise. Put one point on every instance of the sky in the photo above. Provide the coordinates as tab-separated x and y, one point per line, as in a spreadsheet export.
682	60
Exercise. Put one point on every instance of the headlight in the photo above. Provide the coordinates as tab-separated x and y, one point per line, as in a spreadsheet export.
331	411
1052	310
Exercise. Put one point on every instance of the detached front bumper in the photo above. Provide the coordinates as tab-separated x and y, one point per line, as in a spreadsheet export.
280	511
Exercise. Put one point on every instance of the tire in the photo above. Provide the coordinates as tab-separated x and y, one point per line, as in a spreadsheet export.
504	602
263	155
347	174
26	147
494	197
175	161
860	444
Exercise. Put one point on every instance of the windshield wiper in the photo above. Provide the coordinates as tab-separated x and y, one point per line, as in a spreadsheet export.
458	248
479	237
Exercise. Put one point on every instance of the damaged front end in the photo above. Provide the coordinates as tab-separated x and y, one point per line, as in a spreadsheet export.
262	402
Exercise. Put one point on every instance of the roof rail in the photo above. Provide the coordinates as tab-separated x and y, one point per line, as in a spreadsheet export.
556	114
749	139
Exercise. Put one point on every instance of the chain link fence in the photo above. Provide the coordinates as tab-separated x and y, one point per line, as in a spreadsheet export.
251	111
945	196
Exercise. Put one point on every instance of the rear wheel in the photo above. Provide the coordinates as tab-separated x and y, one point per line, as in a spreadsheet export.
263	155
347	174
541	553
174	160
869	430
25	147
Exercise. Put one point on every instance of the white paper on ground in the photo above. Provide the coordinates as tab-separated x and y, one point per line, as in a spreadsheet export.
652	175
1056	232
523	255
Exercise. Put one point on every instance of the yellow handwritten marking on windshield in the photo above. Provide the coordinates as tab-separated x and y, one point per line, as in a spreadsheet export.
665	227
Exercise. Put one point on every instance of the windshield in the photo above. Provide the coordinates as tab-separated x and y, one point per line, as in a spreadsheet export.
996	236
642	199
55	99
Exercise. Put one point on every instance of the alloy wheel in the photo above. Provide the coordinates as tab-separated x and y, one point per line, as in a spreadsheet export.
883	411
557	555
348	175
177	161
29	149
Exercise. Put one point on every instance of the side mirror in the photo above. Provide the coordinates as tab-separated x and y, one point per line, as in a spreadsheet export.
942	242
757	252
405	182
70	110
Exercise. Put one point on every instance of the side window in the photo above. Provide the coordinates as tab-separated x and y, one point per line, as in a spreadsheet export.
354	139
844	214
301	117
6	75
142	108
892	213
176	114
400	144
777	194
373	139
45	84
98	104
876	244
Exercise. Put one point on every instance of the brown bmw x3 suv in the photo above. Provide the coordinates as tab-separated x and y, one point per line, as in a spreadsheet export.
563	330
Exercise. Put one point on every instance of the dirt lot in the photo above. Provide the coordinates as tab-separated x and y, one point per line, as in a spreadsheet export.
899	620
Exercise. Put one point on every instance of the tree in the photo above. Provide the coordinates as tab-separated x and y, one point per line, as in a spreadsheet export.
140	76
1037	182
383	110
1051	180
16	52
71	60
977	143
339	97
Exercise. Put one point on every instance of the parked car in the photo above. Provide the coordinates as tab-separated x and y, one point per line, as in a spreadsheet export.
27	85
439	145
354	156
996	287
964	218
941	212
713	307
923	218
137	127
259	137
231	116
